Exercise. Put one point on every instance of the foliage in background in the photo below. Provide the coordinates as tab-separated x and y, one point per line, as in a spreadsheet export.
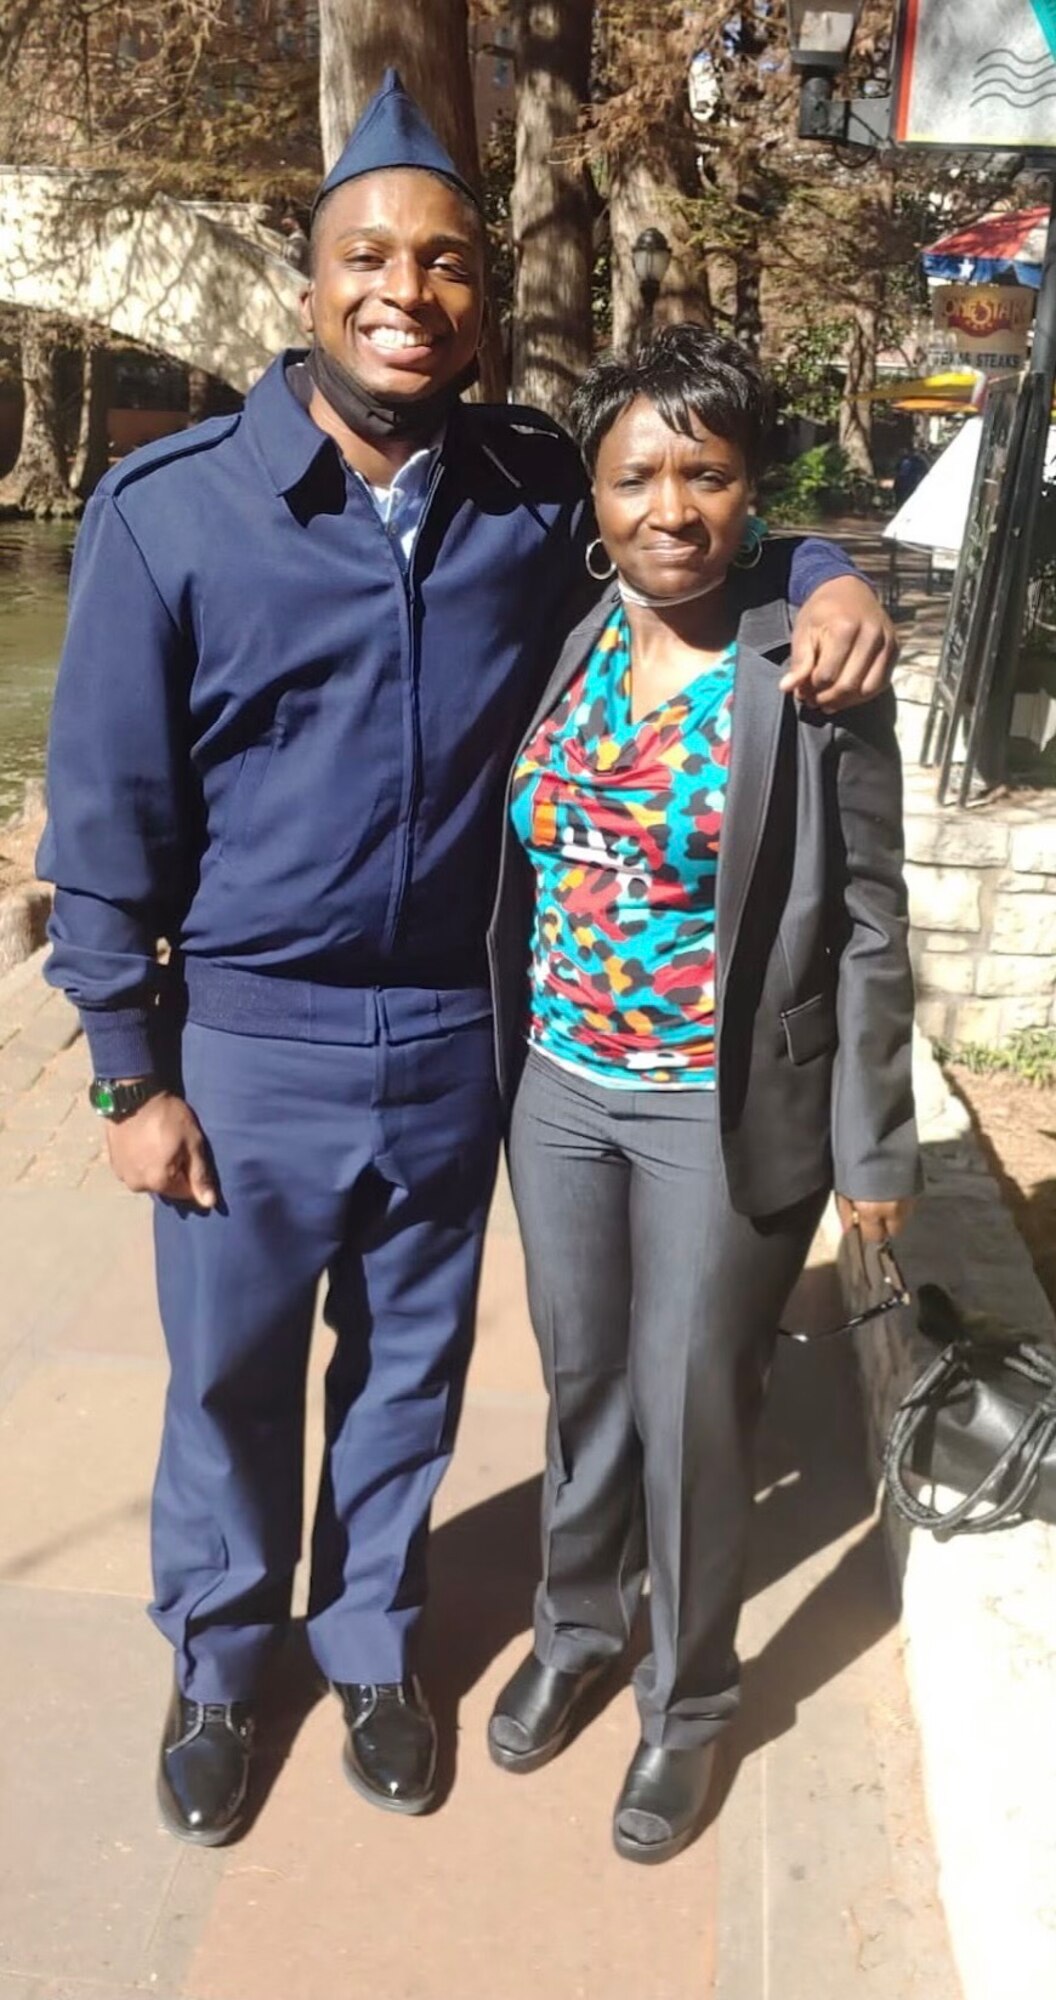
807	372
817	483
1029	1054
496	167
197	97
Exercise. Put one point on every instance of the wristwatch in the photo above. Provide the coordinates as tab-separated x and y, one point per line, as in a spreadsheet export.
115	1100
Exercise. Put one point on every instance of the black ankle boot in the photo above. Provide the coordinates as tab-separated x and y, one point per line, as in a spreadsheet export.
661	1807
536	1712
203	1770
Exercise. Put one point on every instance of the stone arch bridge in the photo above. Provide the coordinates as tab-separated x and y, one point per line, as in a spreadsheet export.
203	283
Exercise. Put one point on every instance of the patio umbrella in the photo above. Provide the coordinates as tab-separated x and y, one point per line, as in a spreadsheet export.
951	392
1007	243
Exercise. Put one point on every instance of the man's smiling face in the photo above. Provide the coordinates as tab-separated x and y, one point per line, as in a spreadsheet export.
397	286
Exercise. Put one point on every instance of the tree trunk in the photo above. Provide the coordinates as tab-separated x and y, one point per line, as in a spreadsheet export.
641	196
747	301
863	343
551	206
92	455
856	410
429	45
38	483
197	395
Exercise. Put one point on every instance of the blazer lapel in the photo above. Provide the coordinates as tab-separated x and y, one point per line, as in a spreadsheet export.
758	706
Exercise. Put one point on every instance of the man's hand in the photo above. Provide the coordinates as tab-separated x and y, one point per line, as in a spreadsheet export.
877	1220
161	1149
844	647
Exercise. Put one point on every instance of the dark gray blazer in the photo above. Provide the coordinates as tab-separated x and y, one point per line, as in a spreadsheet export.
814	993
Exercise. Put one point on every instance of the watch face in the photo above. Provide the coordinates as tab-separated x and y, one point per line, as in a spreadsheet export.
102	1097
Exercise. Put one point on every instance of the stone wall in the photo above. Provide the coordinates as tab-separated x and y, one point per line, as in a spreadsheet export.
982	896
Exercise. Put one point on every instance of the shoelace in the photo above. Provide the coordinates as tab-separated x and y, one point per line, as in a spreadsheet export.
218	1711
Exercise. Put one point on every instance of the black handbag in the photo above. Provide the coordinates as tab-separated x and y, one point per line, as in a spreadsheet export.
981	1419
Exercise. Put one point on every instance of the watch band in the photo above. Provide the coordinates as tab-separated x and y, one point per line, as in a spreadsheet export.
116	1100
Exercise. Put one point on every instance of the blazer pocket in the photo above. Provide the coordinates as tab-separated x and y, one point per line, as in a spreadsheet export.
810	1028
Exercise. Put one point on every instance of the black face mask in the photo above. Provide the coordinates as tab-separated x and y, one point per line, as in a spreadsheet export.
378	417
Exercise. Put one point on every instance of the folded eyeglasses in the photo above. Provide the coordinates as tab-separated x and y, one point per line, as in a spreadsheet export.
896	1293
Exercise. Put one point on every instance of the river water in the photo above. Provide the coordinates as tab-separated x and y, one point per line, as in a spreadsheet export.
34	572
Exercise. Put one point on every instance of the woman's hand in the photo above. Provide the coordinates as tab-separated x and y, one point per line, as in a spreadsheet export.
877	1220
161	1149
844	647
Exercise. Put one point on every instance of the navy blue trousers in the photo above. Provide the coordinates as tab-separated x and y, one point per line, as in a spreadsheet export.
372	1165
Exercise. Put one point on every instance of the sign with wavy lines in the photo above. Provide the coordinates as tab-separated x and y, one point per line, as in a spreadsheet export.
979	74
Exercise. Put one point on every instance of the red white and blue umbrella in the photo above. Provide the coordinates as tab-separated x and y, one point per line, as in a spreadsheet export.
1009	243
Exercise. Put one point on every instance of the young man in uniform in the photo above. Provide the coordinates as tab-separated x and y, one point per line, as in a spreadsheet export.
302	642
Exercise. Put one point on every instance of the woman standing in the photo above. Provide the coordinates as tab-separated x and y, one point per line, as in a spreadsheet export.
719	1020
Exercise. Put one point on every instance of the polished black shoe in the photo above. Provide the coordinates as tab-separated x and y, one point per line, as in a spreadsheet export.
661	1807
536	1712
390	1748
203	1771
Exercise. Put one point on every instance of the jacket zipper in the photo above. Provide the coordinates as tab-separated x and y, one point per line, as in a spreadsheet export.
410	593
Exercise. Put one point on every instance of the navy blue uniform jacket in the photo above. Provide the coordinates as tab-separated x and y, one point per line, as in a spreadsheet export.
274	750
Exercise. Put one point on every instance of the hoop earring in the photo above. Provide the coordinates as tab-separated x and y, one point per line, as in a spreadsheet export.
600	576
750	553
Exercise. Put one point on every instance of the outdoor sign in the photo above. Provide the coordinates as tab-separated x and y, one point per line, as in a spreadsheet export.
979	74
985	324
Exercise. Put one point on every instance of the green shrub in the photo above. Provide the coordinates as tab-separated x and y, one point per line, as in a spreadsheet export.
819	482
1029	1054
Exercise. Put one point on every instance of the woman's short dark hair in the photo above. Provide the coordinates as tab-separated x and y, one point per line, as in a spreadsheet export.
685	372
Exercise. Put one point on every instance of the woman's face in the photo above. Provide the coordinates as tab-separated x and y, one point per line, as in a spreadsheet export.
671	509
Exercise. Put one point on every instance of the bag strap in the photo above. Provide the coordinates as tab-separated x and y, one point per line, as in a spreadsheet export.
1022	1458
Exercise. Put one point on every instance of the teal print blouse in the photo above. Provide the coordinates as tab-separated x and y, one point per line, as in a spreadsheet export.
621	821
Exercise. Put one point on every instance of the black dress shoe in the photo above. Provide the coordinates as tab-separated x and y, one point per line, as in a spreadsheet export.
390	1748
661	1807
535	1713
203	1772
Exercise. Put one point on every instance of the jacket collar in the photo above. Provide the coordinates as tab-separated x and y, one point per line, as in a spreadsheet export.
285	435
289	441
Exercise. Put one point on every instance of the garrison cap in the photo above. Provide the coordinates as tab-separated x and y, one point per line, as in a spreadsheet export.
393	132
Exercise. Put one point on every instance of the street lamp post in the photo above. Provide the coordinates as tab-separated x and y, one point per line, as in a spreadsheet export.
650	255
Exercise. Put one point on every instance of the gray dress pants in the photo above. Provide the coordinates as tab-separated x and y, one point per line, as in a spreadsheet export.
655	1307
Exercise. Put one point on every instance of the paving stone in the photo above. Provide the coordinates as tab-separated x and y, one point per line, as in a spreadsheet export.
86	1865
17	1150
80	1275
78	1444
516	1889
41	1109
52	1029
21	1067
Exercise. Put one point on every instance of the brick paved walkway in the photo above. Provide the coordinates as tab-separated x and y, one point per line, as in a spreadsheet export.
814	1882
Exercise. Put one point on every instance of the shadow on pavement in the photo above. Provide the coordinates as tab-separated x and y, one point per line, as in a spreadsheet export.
483	1569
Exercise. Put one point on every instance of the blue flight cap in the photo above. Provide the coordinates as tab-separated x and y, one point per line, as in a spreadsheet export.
393	132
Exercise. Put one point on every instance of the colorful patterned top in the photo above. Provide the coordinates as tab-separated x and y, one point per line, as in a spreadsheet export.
621	820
